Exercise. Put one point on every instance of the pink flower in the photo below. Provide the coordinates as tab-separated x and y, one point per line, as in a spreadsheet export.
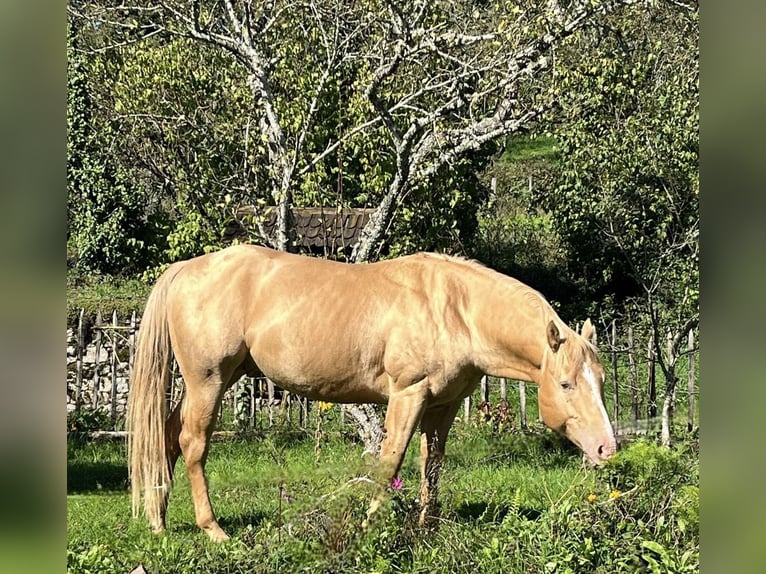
396	483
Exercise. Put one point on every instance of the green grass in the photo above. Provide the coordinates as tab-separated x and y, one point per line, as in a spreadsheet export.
510	503
526	147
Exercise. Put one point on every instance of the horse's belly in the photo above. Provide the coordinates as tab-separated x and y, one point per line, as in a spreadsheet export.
344	383
338	368
335	391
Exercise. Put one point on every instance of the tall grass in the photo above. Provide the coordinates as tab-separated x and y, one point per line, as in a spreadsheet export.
510	503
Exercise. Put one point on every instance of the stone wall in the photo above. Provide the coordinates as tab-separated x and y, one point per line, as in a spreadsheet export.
98	364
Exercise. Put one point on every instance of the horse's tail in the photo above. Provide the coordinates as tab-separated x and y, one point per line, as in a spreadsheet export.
147	409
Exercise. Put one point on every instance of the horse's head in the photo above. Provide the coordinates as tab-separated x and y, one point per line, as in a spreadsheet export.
571	392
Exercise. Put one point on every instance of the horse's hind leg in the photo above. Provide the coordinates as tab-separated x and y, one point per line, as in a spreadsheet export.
434	427
198	416
173	451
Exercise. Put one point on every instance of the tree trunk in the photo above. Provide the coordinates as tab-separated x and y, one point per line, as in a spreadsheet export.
375	228
670	388
651	380
368	426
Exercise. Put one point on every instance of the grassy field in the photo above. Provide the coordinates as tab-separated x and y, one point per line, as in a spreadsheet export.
511	502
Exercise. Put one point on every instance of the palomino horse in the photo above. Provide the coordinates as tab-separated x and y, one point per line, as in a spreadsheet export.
416	332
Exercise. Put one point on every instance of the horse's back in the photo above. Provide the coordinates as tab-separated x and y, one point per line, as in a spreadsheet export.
323	328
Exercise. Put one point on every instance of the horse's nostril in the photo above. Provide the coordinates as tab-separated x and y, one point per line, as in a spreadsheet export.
605	451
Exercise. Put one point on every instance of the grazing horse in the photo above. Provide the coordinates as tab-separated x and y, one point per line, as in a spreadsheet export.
417	333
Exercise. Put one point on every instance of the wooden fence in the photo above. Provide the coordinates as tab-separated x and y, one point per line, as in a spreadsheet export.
100	359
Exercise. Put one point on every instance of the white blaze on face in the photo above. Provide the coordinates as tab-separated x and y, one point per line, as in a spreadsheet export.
590	377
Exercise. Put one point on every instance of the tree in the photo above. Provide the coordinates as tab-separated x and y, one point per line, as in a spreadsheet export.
404	95
516	236
433	84
106	226
627	202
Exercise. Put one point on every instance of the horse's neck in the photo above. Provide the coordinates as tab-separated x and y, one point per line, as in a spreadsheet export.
510	361
512	342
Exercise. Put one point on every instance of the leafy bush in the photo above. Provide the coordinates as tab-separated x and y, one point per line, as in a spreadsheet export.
84	421
645	465
95	293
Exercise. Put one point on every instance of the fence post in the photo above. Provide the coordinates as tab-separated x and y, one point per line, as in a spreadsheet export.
467	409
258	405
672	359
668	403
236	390
131	344
523	404
287	405
615	388
253	382
503	391
270	387
484	390
80	346
690	381
652	381
633	378
97	341
114	362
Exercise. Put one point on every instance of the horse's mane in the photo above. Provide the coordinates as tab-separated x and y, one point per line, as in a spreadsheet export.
579	344
533	296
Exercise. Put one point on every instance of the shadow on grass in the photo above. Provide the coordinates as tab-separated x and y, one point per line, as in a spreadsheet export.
232	525
544	450
484	512
93	477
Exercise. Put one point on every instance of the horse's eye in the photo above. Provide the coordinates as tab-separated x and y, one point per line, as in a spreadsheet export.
566	385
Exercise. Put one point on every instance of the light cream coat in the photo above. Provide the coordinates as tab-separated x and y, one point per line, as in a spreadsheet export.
416	332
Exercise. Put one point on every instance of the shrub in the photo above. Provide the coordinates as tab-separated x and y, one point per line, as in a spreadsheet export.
84	421
646	465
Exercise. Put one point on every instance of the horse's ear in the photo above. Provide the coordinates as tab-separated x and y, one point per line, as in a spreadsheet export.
554	336
588	332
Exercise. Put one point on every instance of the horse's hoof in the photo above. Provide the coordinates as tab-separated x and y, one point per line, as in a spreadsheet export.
216	534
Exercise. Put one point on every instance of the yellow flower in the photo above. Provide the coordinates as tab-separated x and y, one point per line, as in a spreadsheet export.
615	494
592	498
323	406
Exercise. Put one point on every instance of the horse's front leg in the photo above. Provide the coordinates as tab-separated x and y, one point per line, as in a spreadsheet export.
434	428
405	408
